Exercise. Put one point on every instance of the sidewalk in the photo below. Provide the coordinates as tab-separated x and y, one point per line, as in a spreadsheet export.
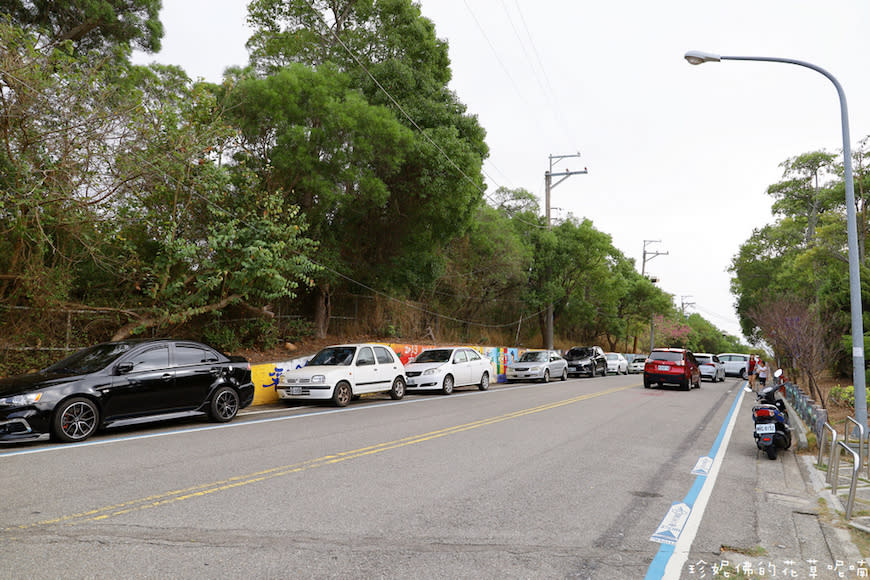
800	525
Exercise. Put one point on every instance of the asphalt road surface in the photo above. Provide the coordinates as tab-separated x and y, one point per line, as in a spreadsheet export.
564	480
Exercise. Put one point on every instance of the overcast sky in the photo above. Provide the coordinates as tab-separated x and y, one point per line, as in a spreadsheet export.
677	153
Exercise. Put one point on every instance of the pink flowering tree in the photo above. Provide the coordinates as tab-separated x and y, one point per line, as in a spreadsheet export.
670	332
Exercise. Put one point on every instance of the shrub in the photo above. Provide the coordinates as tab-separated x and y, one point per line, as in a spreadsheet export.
844	396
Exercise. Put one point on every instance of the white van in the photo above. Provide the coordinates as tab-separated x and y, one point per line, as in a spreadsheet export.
736	364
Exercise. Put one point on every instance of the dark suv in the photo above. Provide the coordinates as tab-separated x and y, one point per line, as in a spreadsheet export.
586	360
672	366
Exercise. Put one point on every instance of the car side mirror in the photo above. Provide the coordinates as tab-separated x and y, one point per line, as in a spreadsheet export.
124	368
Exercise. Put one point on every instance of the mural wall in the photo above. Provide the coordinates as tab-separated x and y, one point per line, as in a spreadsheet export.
265	376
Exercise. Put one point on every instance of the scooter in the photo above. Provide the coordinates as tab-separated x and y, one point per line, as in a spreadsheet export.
772	430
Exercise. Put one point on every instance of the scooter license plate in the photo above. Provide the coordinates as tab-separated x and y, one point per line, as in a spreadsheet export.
765	428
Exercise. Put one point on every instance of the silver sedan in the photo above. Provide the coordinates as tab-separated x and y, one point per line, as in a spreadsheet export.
538	365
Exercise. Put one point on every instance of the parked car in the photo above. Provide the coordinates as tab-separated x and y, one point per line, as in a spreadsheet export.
445	368
114	383
616	363
711	367
736	364
586	360
537	365
341	372
637	363
672	366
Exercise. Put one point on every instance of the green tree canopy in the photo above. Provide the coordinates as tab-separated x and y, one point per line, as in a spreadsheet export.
91	25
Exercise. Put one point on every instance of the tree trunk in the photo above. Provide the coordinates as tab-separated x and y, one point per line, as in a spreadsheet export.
141	324
322	311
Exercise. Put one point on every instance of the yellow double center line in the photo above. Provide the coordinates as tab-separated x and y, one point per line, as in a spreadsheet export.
179	495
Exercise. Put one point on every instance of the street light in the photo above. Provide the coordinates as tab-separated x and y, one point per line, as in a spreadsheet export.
698	57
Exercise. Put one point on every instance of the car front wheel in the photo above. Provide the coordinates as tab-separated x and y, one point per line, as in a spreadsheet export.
398	389
546	378
484	382
447	385
74	420
224	405
342	394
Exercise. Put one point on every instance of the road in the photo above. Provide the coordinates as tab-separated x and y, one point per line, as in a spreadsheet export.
567	479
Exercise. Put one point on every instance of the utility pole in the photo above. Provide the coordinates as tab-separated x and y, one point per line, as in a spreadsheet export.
653	279
548	186
683	304
650	254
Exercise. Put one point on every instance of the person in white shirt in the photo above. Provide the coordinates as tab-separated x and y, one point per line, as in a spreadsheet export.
761	371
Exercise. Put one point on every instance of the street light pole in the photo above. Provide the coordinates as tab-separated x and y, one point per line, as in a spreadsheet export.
549	185
698	57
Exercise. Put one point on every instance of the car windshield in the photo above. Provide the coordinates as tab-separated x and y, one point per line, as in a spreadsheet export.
639	359
533	356
90	360
611	356
667	356
579	352
333	356
704	359
434	356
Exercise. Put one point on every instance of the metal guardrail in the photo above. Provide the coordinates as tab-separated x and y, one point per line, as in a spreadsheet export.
826	428
856	467
861	437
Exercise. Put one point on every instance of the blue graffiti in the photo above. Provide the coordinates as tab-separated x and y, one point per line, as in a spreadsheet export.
275	376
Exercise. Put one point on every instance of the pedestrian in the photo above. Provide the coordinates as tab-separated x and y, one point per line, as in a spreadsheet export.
750	370
761	372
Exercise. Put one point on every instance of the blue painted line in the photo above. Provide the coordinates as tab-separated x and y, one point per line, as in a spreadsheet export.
656	568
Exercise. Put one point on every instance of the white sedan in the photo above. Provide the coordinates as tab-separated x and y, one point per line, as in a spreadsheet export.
445	368
616	363
339	373
637	363
711	367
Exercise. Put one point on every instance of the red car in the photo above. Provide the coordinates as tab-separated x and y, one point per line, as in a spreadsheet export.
672	366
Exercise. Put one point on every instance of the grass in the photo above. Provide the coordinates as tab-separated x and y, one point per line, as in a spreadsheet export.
753	552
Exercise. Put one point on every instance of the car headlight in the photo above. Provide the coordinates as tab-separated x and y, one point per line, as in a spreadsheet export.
535	369
20	400
318	379
432	371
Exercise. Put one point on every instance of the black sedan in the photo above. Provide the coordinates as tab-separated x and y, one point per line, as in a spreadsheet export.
123	382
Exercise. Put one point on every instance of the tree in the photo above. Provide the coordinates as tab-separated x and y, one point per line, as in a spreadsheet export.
800	195
62	121
318	144
485	272
795	331
199	235
421	187
90	25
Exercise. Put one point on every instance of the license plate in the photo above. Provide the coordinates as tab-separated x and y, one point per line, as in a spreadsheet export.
295	390
663	367
765	428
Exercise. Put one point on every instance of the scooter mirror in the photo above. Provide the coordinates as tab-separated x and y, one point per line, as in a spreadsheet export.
777	373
